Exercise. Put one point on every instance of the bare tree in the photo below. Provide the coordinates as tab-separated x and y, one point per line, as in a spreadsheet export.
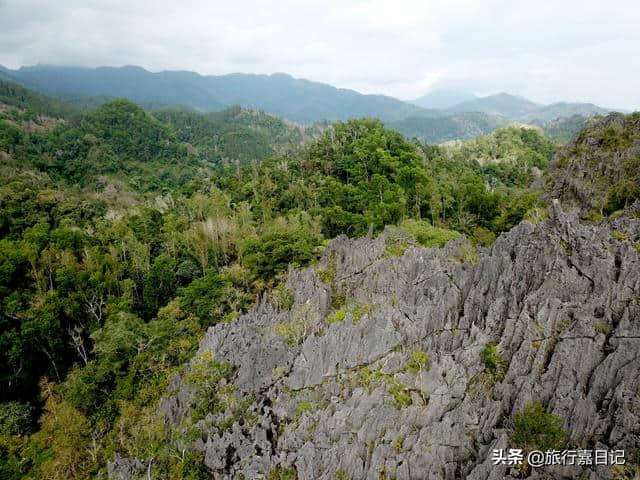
77	342
55	368
94	305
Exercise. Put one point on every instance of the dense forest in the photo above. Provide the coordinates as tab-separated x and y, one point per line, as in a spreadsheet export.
126	234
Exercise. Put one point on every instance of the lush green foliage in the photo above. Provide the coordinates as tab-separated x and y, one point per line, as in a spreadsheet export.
130	131
235	137
124	235
489	357
426	234
360	176
564	129
32	104
285	241
509	155
214	298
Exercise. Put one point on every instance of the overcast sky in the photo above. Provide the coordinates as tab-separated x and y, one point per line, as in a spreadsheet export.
571	50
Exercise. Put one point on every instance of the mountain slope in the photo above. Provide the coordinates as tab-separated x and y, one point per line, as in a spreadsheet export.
511	106
442	99
15	95
121	140
236	136
562	110
436	117
519	108
563	129
456	126
599	170
280	94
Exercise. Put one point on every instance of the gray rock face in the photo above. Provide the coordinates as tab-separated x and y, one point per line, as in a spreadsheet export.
124	468
336	390
602	160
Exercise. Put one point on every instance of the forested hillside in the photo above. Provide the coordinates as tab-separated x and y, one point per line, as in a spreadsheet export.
562	130
125	234
446	127
236	136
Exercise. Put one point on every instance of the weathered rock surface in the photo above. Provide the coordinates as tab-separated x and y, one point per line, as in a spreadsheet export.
332	397
600	168
124	468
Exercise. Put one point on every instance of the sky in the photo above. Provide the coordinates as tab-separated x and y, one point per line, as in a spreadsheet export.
548	51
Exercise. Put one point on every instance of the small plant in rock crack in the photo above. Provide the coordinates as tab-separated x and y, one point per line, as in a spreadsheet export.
489	357
420	361
304	406
372	379
336	317
292	331
282	473
534	428
282	297
603	328
327	274
341	475
495	367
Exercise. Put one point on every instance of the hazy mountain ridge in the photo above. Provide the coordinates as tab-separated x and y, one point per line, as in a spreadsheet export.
510	106
554	111
299	100
563	129
442	99
519	108
436	117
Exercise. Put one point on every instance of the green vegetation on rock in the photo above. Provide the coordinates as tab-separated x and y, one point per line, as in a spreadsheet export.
535	429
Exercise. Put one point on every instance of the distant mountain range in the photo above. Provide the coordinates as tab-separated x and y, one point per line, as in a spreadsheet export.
554	111
443	99
447	127
519	108
280	94
436	117
510	106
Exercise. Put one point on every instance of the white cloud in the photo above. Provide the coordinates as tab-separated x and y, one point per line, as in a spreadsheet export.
583	50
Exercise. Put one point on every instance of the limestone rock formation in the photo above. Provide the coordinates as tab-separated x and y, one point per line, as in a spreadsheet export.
338	386
390	360
599	170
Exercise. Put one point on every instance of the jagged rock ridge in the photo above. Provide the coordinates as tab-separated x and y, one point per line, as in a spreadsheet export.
599	170
331	387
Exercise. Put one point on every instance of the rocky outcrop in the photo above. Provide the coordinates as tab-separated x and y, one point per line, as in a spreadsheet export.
599	170
375	370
